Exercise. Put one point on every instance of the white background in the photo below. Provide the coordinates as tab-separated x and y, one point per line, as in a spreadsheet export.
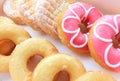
86	60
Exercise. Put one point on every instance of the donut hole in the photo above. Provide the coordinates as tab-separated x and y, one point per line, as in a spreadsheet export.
62	76
33	61
116	40
6	47
83	28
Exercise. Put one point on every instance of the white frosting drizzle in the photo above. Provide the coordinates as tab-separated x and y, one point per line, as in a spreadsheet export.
87	11
116	30
106	57
103	23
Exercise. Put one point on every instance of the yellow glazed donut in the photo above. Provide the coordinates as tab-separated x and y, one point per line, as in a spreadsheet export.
49	67
23	52
95	76
14	33
4	20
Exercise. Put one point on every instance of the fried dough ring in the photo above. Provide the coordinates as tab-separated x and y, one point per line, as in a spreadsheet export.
95	76
14	33
4	20
11	9
50	66
27	10
42	14
23	52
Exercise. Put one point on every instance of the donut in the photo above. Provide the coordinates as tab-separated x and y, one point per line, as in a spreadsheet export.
27	10
11	9
3	20
54	64
10	34
42	14
23	52
104	40
74	25
95	76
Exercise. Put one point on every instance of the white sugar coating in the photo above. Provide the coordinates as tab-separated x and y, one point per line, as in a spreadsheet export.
7	8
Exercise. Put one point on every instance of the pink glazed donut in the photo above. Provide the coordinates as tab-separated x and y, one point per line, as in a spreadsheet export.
104	42
74	27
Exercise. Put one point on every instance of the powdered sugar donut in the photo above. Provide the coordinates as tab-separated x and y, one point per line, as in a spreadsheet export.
105	42
70	30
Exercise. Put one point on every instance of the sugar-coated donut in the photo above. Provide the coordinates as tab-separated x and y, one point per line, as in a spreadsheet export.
23	52
104	41
13	33
48	68
69	30
28	12
95	76
42	14
11	9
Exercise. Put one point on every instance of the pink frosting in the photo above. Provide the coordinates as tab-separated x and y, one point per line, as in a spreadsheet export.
105	29
75	14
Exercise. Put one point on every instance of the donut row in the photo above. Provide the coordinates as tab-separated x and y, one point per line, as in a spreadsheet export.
80	26
15	58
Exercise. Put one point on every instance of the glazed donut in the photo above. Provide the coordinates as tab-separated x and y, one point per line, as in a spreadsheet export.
95	76
70	31
11	9
54	64
104	40
43	14
3	20
9	32
23	52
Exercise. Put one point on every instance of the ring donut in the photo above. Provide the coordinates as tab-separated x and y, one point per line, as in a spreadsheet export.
54	64
10	32
95	76
42	14
3	20
28	12
70	30
23	52
104	41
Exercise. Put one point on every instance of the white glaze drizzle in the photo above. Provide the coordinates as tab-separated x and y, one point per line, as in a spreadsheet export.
79	19
116	30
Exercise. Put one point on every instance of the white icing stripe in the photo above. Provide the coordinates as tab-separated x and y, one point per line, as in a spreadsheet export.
116	24
106	58
87	13
99	37
118	49
79	46
116	30
79	19
65	30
